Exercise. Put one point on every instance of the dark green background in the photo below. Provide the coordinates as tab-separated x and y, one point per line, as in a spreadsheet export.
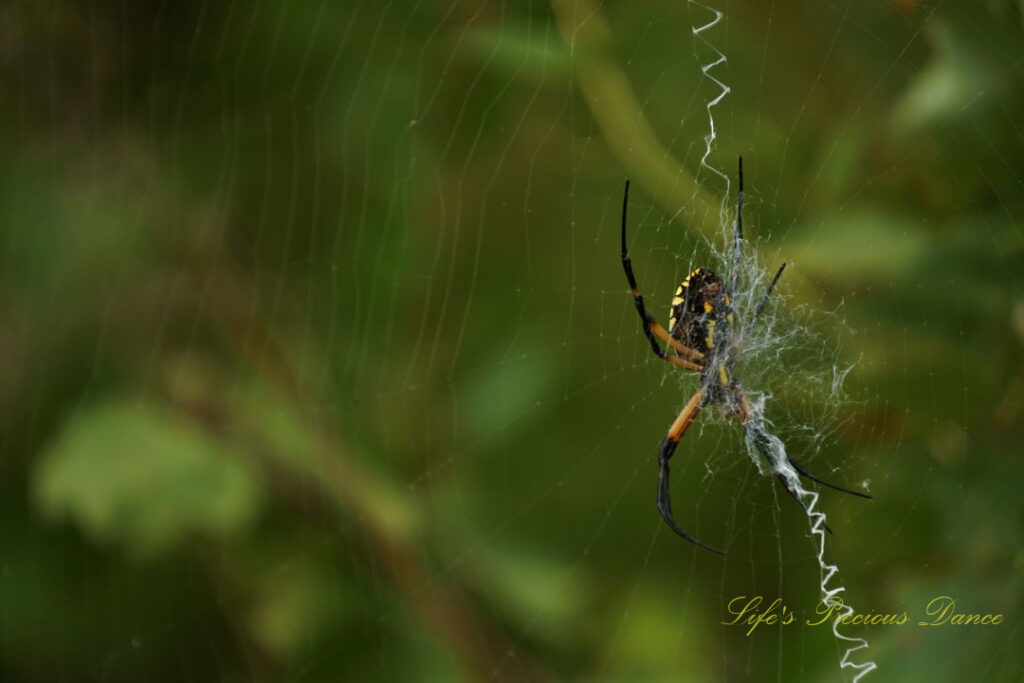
318	362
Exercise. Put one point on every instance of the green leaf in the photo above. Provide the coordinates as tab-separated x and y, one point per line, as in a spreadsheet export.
944	88
291	606
532	590
144	475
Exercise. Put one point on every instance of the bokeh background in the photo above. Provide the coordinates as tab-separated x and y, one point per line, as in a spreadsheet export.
318	362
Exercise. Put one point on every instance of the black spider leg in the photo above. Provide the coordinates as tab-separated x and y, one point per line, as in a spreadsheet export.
648	322
668	448
638	299
804	473
737	237
768	293
737	251
760	439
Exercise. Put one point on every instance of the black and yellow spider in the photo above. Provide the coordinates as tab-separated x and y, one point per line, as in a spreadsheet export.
703	336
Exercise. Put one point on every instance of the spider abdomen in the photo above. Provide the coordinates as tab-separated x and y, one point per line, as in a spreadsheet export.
699	303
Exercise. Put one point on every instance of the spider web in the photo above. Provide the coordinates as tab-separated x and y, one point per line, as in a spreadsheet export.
321	363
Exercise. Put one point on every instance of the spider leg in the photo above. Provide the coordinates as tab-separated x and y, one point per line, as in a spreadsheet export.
757	433
668	447
768	293
681	362
736	250
738	236
762	447
804	473
652	329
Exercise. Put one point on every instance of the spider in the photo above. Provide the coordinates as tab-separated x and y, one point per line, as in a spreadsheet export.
702	336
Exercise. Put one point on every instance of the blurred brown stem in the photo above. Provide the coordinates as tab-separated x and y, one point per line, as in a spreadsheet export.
620	117
388	519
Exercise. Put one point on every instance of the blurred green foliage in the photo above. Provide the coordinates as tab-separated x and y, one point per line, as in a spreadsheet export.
318	362
145	477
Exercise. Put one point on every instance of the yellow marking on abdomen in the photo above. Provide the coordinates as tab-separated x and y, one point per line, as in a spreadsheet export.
711	334
723	376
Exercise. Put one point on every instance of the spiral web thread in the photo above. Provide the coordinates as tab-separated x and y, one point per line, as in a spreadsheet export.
719	58
774	448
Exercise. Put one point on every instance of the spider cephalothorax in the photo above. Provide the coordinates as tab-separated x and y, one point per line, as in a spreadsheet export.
705	336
